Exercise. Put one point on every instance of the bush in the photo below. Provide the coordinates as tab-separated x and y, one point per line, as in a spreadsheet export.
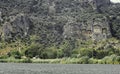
84	60
82	52
93	61
15	54
27	60
113	59
4	57
50	53
33	50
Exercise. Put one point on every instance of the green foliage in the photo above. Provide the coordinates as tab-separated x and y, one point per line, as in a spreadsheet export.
113	59
83	52
84	60
67	47
27	60
33	50
116	27
113	15
4	57
93	61
49	53
15	54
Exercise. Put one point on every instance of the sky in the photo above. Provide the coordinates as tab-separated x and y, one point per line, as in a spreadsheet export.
115	1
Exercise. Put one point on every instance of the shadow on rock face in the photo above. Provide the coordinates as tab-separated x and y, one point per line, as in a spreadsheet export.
18	26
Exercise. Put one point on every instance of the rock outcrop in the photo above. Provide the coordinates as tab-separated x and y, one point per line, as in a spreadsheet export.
17	26
95	29
82	22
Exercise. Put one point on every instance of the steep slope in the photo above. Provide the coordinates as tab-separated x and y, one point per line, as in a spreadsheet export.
61	17
57	23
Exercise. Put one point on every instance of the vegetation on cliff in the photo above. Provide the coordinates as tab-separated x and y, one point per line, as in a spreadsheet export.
43	29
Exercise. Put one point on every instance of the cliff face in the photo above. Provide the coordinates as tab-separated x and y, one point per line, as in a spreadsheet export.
59	28
95	29
54	20
16	26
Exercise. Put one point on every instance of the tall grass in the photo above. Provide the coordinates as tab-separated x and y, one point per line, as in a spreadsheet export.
113	59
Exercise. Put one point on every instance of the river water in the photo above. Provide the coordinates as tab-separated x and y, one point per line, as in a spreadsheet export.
14	68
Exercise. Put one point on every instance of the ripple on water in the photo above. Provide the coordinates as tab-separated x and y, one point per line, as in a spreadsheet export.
58	69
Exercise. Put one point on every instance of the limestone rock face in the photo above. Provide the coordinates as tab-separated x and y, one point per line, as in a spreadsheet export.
1	17
96	4
18	26
99	3
101	29
54	19
95	29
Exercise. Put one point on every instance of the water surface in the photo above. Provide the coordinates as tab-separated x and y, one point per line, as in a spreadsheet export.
13	68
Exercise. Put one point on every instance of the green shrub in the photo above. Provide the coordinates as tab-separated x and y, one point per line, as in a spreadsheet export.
27	60
84	60
82	52
4	57
93	61
15	54
33	50
110	59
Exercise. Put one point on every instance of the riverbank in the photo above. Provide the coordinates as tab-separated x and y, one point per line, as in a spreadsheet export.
113	59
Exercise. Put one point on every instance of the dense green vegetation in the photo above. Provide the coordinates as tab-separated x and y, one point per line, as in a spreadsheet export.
113	15
82	52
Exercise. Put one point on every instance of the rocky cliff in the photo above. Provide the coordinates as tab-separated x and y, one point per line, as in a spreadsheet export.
64	19
59	28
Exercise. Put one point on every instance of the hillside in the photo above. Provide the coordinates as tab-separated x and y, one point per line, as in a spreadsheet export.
59	28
